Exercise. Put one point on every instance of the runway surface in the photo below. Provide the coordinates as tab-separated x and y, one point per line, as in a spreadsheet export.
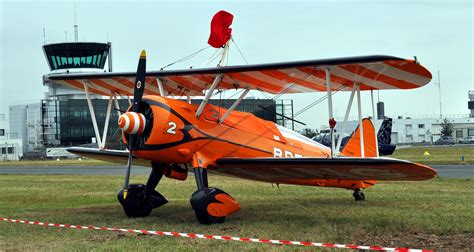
447	171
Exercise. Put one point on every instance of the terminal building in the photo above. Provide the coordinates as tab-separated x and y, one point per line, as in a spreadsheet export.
11	146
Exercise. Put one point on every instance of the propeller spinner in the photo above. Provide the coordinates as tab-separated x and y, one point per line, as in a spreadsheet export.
132	123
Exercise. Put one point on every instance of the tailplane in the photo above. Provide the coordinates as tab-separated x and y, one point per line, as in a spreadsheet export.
352	148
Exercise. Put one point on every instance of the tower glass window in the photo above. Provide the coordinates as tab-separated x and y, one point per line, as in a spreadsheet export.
76	55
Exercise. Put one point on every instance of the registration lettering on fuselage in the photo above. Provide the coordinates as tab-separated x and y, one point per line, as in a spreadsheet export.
277	152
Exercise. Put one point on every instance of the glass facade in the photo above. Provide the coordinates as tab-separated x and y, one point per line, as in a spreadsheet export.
76	55
263	108
67	122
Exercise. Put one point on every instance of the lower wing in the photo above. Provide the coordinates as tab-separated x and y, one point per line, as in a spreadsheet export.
113	156
343	168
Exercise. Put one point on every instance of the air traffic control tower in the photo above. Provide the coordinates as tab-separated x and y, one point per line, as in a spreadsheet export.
65	115
75	57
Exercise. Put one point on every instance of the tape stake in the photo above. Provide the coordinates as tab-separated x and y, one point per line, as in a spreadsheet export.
215	237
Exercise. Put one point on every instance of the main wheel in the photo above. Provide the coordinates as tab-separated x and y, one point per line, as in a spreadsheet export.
212	205
138	203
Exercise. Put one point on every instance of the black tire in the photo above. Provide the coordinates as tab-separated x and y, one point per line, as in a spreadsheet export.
199	202
135	205
358	195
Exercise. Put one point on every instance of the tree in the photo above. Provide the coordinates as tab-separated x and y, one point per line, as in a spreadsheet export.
446	128
309	133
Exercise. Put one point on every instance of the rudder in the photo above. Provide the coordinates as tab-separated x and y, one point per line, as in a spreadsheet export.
352	148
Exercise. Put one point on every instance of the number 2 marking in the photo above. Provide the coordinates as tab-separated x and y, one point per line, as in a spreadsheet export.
172	128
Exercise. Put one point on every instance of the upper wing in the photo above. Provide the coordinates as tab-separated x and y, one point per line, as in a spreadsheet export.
113	156
372	72
281	170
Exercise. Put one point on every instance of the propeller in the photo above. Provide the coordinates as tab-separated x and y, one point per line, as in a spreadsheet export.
137	98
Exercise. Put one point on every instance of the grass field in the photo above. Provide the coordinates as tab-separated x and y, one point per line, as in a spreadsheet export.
430	214
438	154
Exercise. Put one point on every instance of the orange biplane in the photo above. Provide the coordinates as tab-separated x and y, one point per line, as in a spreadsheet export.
171	135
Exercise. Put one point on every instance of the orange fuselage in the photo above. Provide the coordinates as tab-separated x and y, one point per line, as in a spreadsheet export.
179	137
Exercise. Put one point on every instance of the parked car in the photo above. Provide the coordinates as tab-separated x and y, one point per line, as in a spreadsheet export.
444	141
467	140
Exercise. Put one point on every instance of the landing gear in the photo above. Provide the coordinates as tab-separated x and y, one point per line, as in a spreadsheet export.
141	199
210	204
358	195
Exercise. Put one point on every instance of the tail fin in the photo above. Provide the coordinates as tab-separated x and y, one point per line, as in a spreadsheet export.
384	136
352	148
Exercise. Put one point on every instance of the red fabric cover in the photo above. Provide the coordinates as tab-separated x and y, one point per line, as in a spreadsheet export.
220	31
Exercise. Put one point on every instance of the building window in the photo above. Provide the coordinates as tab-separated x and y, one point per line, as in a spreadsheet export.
408	126
2	132
470	132
409	138
459	133
421	126
421	138
10	150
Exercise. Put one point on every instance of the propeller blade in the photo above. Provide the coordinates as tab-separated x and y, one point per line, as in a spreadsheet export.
137	98
129	166
139	82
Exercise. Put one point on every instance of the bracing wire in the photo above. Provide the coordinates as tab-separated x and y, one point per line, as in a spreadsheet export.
309	106
186	57
238	49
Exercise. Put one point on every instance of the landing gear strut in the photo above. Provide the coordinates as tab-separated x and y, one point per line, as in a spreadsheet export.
358	195
210	204
141	199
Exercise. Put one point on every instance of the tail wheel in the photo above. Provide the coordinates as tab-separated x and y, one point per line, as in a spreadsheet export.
358	195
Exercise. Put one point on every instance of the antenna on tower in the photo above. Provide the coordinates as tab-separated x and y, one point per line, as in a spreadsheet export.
76	28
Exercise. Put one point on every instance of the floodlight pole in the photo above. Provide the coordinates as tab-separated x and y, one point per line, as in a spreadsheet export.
331	116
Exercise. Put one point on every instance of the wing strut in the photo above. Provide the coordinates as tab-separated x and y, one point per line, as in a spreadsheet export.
160	87
208	94
331	116
375	121
361	128
94	120
107	118
101	140
346	116
234	105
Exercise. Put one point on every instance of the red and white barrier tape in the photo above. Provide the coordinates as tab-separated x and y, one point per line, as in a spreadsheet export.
216	237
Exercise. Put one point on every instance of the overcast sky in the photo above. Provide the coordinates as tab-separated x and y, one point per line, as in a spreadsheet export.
439	33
